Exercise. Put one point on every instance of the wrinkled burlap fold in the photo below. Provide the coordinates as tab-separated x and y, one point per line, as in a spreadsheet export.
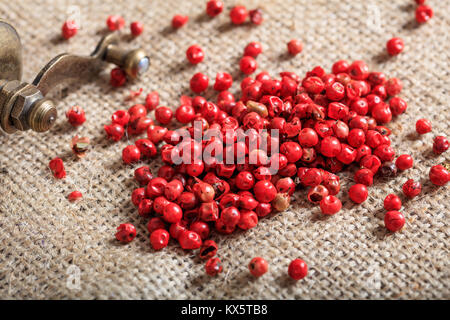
45	240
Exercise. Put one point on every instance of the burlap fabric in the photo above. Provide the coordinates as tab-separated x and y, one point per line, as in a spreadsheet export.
45	240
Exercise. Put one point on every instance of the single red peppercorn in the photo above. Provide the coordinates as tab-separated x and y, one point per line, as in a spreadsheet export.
294	47
439	175
330	147
199	82
114	131
145	207
115	22
364	176
118	77
121	117
358	70
411	188
56	165
238	15
297	269
223	81
69	29
423	126
190	240
172	213
258	266
131	154
213	267
394	220
152	100
195	54
264	191
392	202
248	220
159	239
330	205
137	195
253	49
394	46
256	16
440	144
358	193
340	66
155	223
173	190
214	8
208	249
74	196
126	232
201	228
335	91
76	116
179	20
185	114
163	115
423	13
143	175
136	28
397	106
248	65
404	162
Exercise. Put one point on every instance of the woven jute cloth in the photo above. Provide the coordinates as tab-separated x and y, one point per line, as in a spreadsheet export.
53	249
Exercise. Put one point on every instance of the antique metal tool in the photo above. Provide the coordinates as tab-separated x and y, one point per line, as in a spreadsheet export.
23	105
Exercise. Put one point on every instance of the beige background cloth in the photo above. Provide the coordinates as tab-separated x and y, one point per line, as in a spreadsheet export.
45	240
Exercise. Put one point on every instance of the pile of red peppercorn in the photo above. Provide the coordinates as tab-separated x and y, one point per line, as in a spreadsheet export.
326	122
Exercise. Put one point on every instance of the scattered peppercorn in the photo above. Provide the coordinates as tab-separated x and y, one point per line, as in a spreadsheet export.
115	22
392	202
214	8
74	196
297	269
423	126
69	29
136	28
258	266
394	221
76	116
126	232
439	175
179	20
195	54
118	77
294	47
213	267
440	144
238	15
57	167
423	13
199	82
394	46
411	188
256	16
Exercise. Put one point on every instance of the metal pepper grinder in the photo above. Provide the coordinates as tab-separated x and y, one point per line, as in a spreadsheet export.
23	105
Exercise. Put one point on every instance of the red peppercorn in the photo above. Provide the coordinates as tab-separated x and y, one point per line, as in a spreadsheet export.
330	205
264	191
214	8
213	267
155	224
238	14
114	131
208	249
185	114
195	54
258	266
69	29
143	175
145	207
173	190
172	213
204	191
136	28
423	13
397	106
423	126
115	22
223	81
118	77
146	148
179	20
201	228
137	195
294	47
420	1
121	117
411	188
56	165
297	269
358	193
440	144
190	240
74	195
76	116
256	16
364	176
248	220
248	65
244	180
152	100
131	154
340	66
356	137
392	202
382	113
163	115
159	239
439	175
330	147
394	46
358	70
126	232
335	91
404	162
394	220
253	49
199	82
